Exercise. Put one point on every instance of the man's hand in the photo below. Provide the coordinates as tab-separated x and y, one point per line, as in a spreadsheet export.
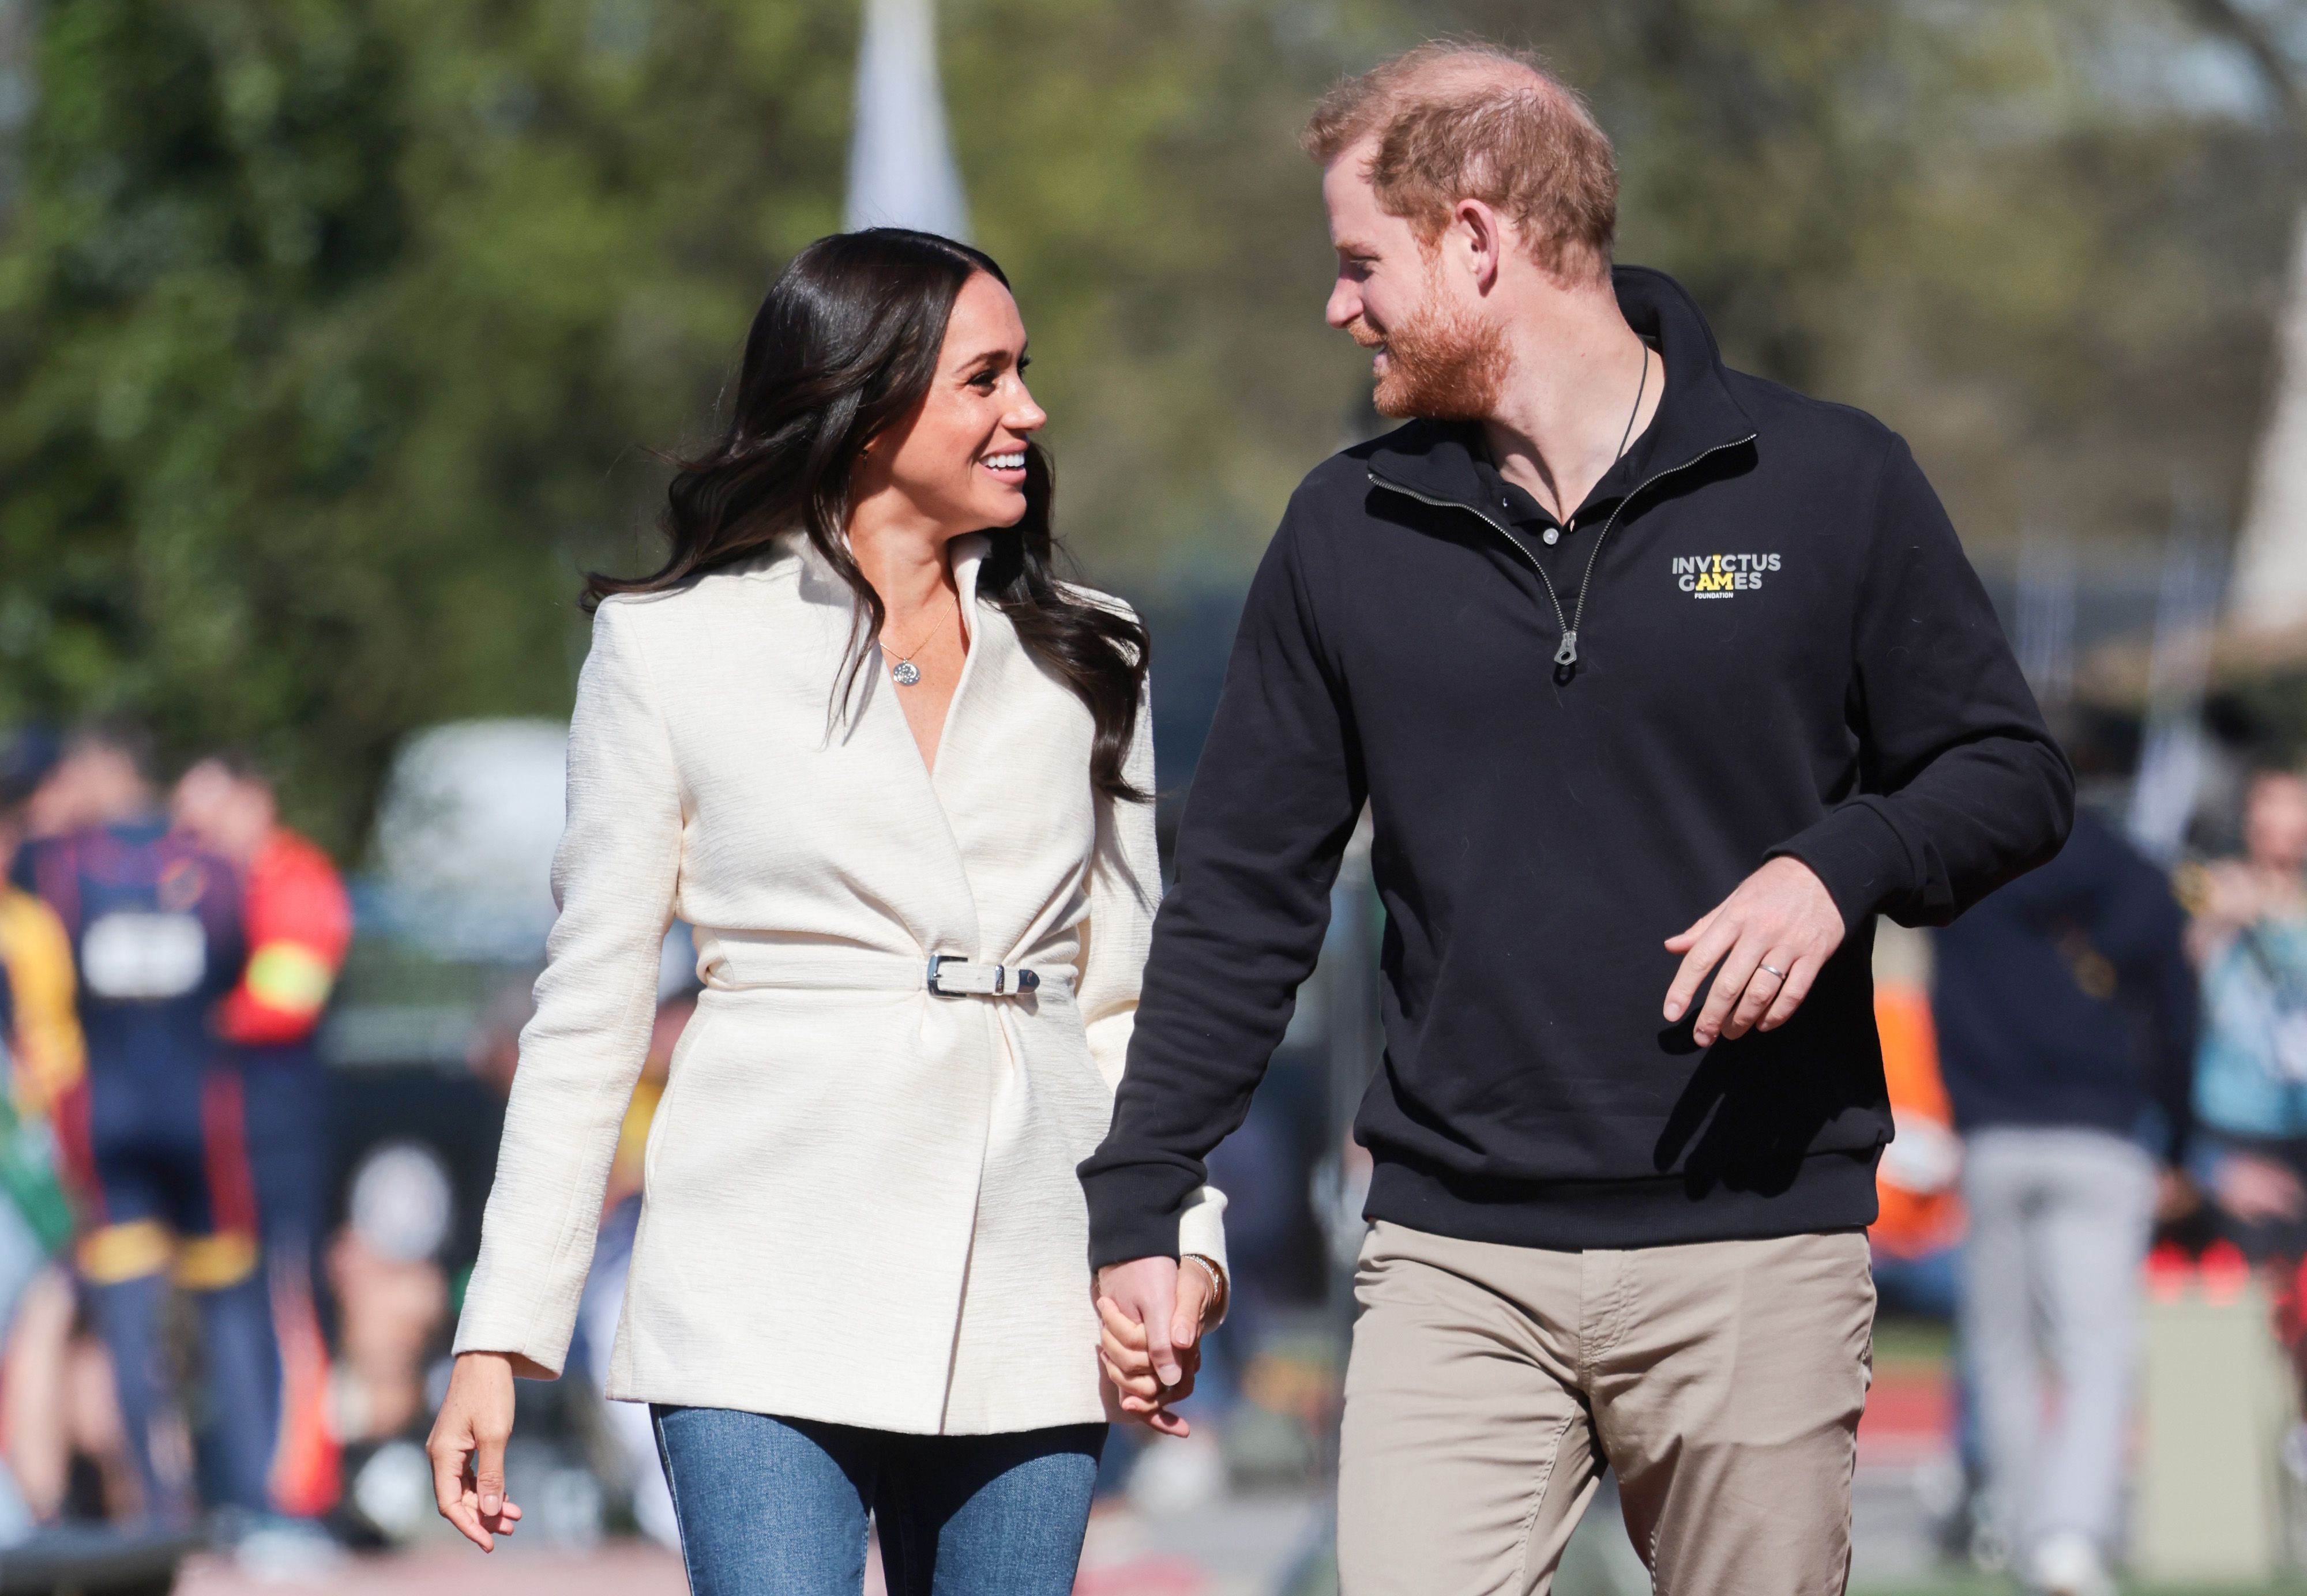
467	1447
1780	916
1151	1314
2176	1197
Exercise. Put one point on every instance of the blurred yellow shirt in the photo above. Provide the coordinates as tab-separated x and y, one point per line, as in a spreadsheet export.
633	1141
36	954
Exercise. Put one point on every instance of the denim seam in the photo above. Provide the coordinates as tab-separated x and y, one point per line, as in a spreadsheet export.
672	1489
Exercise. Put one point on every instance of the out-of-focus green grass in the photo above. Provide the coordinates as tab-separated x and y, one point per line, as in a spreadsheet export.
1900	1341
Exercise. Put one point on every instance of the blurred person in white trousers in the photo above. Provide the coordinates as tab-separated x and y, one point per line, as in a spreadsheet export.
2066	1018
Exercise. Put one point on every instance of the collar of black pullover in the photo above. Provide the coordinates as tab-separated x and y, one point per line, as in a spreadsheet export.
1437	460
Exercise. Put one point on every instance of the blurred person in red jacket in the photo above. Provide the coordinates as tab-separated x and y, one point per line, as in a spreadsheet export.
298	925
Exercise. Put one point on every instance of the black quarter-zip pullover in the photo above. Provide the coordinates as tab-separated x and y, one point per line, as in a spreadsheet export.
1782	650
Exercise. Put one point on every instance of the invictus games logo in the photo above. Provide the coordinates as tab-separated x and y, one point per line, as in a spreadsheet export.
1721	576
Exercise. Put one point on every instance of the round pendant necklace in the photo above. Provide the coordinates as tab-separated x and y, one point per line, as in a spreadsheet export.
904	671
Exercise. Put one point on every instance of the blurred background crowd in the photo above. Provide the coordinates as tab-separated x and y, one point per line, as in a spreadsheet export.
339	337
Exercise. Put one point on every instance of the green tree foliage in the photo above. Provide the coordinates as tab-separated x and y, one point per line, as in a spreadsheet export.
1135	168
2040	237
336	335
331	333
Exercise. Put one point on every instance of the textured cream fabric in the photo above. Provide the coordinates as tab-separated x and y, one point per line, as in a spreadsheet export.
861	1202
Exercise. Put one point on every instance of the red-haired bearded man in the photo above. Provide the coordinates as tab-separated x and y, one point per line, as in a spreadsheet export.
1660	682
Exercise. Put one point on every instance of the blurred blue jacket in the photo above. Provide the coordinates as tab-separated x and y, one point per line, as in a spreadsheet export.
2250	1074
2065	999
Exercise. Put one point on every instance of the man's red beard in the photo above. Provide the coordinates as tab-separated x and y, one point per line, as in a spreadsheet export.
1441	362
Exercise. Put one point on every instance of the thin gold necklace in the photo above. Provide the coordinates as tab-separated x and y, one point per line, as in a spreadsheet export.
904	672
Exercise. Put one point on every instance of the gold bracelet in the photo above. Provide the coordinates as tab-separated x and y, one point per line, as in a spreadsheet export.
1220	1290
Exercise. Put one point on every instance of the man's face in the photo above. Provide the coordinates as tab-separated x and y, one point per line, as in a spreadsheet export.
228	813
78	791
1434	348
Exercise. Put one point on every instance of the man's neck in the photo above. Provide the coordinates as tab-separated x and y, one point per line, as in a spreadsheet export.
1568	407
144	810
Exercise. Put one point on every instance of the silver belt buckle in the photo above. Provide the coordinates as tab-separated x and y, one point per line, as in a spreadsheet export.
1025	980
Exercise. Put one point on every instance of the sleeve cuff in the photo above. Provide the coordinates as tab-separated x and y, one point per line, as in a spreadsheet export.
1135	1211
488	1332
1201	1227
1859	859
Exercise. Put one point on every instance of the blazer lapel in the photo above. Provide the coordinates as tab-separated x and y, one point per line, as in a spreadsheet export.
945	912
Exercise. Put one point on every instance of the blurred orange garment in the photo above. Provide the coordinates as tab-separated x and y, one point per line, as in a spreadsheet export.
1915	1184
299	925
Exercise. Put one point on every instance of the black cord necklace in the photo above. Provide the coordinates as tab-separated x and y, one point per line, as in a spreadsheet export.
1565	658
1641	388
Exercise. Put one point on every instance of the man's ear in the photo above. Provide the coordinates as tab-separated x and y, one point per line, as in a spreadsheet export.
1477	235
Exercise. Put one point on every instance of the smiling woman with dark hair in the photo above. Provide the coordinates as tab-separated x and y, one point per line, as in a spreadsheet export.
897	777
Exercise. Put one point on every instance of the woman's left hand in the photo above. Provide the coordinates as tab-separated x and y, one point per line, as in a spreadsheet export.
1126	1294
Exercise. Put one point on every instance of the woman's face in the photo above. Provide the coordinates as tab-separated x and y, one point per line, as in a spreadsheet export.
959	460
2275	821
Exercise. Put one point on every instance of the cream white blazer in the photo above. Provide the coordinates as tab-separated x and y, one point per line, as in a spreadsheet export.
860	1205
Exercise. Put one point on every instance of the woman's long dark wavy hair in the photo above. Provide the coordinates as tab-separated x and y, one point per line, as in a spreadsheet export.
846	345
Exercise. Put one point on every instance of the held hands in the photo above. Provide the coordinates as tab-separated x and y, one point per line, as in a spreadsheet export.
1152	1315
1780	916
467	1447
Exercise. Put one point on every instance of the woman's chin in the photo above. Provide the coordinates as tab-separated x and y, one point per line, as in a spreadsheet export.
1003	509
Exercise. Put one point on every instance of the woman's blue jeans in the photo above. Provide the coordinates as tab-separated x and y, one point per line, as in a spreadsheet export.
778	1506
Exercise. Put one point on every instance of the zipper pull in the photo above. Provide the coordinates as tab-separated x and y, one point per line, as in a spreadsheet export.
1568	654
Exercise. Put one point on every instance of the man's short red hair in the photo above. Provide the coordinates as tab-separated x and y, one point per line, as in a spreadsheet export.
1460	121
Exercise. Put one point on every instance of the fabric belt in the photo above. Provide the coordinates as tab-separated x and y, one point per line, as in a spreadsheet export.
738	965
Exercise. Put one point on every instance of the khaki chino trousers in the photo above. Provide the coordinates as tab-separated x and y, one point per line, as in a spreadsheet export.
1489	1385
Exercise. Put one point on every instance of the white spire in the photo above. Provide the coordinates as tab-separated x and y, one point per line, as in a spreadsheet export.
2176	754
901	166
2270	576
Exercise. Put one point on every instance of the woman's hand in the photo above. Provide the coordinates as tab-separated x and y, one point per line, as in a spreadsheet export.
1152	1314
468	1448
2257	1191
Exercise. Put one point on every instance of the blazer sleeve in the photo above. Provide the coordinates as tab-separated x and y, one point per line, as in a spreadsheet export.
614	877
1125	889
